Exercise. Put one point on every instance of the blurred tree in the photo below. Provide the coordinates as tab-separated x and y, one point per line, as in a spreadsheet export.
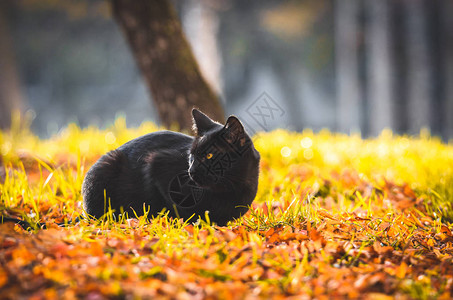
399	60
379	73
272	37
447	63
11	98
166	61
200	23
349	91
420	66
290	24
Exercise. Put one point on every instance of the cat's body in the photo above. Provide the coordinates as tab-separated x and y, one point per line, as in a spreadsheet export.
216	171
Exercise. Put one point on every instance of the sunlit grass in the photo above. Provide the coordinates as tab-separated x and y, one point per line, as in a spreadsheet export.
326	204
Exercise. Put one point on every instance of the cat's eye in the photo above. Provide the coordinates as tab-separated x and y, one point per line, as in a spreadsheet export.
209	156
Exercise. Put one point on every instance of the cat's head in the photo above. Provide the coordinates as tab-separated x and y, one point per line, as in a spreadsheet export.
221	155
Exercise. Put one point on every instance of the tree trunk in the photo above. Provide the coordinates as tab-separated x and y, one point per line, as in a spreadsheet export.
349	104
10	90
447	57
379	67
419	67
399	66
166	61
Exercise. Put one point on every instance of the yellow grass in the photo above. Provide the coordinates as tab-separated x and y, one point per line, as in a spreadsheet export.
335	215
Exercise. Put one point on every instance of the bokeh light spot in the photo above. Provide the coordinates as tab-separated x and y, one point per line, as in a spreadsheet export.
306	142
286	151
110	138
308	154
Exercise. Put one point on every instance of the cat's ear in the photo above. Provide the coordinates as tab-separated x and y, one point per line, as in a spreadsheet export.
201	122
234	125
235	129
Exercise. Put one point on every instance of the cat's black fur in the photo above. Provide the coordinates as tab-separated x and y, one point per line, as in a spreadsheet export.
215	171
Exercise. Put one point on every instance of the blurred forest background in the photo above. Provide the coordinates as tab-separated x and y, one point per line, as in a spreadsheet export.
346	65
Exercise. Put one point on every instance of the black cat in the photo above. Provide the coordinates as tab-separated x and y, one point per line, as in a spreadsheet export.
215	171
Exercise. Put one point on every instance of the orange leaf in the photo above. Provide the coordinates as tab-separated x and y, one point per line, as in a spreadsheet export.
315	235
3	277
445	230
22	256
401	270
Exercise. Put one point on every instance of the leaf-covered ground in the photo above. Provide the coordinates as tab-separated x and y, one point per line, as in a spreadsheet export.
335	216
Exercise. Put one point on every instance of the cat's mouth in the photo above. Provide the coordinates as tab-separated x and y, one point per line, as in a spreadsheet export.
195	179
200	180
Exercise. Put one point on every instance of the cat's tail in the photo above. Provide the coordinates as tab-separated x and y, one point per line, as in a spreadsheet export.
27	226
